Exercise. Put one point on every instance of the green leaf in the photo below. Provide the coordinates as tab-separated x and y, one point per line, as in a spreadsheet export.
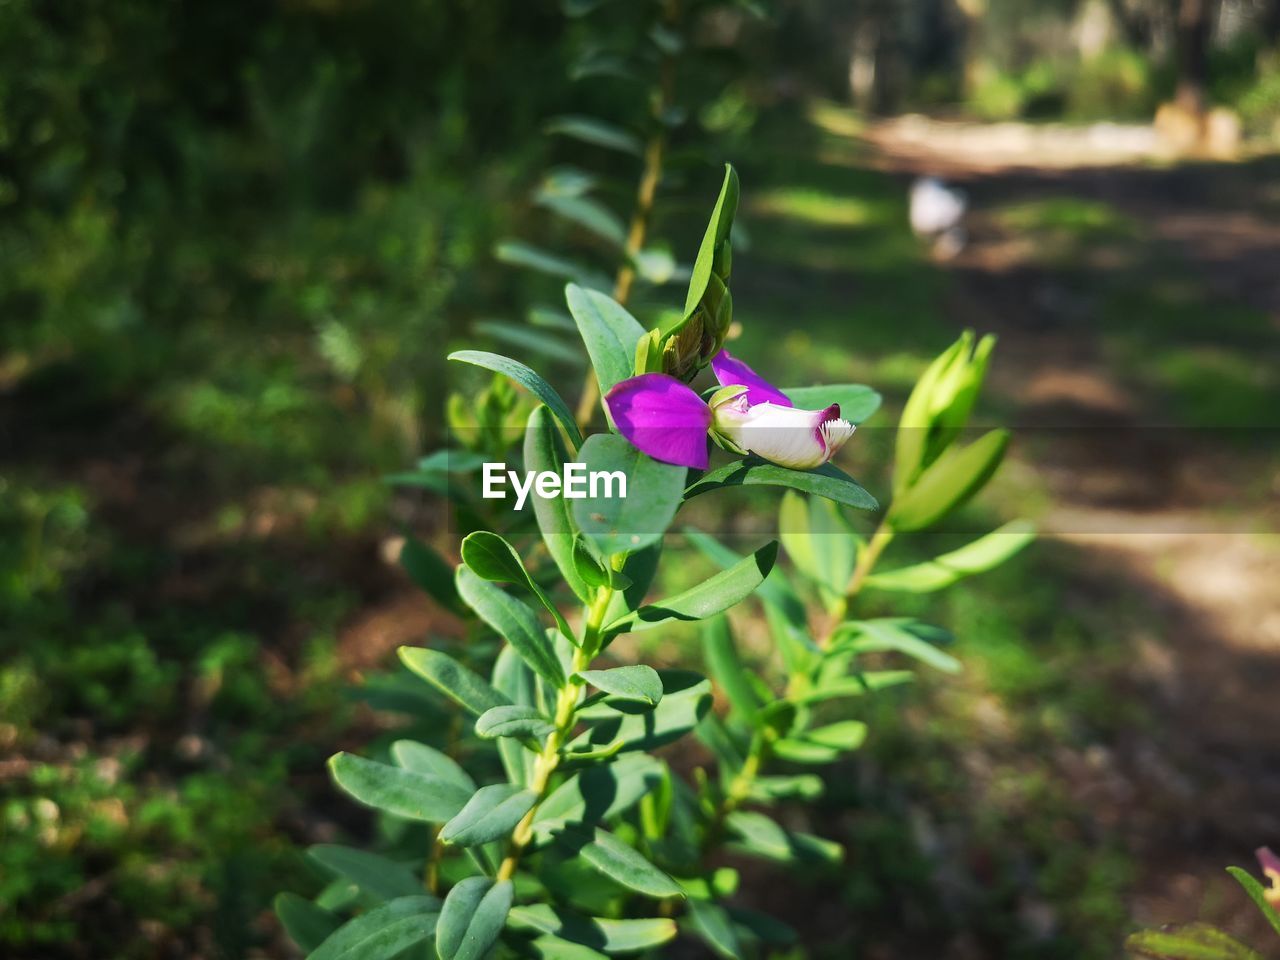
306	924
515	622
513	721
1196	941
711	923
892	634
512	678
420	758
983	554
827	481
527	378
473	916
528	340
431	572
857	402
655	265
819	542
614	524
552	319
544	453
591	570
776	591
727	669
452	679
798	786
383	878
620	863
845	735
597	793
640	683
383	933
596	132
712	596
914	427
717	233
591	215
1256	893
859	686
395	790
550	947
609	332
490	557
757	834
598	933
686	697
517	253
800	750
490	814
949	482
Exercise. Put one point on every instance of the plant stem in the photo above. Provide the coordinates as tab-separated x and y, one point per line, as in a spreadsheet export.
642	212
565	719
740	787
866	561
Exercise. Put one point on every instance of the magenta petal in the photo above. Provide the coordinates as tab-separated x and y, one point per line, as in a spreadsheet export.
729	370
662	417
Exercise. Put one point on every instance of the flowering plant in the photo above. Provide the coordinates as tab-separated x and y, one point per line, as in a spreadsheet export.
535	812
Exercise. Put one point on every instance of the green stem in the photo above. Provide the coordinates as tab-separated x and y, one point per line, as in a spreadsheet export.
740	787
866	561
565	719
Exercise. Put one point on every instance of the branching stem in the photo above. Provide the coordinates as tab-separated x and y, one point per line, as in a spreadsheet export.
565	719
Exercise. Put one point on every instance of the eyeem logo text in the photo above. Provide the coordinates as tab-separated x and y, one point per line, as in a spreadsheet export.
573	483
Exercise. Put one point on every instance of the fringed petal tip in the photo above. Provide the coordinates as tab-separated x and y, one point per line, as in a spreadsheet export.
662	417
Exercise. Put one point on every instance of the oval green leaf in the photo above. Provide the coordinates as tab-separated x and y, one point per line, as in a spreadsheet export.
614	524
598	933
609	332
639	682
420	758
394	790
516	721
382	933
451	678
513	621
490	814
712	596
474	913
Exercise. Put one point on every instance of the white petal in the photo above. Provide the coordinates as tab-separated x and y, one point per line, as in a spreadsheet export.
799	439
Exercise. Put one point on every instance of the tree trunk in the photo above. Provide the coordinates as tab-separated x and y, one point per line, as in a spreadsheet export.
1194	23
1271	22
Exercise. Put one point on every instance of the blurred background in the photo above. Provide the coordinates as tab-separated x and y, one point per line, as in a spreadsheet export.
236	238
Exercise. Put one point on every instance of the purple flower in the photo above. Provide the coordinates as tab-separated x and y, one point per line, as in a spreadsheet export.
1270	864
667	420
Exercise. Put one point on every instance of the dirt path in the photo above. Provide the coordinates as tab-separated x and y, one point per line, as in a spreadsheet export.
1139	495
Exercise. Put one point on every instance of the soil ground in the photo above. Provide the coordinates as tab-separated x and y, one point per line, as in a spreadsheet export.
1142	497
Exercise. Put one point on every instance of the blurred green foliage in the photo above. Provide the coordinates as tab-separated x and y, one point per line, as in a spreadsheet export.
232	240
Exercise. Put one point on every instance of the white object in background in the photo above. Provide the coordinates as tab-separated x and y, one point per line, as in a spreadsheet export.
936	214
935	207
